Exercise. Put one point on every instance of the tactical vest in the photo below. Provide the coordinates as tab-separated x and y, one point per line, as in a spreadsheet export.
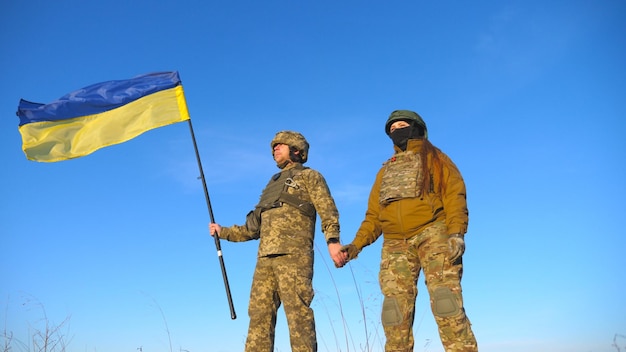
402	177
275	193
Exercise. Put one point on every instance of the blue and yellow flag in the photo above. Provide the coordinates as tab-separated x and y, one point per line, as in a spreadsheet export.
100	115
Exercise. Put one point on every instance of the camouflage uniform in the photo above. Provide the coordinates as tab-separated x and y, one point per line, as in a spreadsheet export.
399	270
284	269
416	224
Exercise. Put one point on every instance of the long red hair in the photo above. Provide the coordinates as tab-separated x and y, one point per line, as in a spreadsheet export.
432	168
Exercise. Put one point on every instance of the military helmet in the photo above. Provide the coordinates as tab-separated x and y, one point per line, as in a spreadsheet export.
408	116
292	139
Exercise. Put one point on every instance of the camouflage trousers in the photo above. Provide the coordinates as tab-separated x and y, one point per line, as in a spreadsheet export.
286	279
401	263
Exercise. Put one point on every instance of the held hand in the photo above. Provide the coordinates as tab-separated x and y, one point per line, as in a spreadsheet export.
214	229
456	246
350	251
338	257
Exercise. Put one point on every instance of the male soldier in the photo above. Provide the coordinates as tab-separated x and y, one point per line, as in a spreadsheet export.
418	203
284	221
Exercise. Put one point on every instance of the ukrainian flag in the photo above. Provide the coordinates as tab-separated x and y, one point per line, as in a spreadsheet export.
100	115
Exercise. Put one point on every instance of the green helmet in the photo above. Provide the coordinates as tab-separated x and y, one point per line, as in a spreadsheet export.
408	116
292	139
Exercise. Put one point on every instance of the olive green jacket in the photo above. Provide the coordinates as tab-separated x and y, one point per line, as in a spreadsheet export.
407	217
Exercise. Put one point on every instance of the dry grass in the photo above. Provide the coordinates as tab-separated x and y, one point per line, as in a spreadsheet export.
44	336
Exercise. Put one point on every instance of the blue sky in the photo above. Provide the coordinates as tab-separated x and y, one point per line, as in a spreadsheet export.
527	97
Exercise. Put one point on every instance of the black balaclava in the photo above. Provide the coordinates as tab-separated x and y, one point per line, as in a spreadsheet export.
401	136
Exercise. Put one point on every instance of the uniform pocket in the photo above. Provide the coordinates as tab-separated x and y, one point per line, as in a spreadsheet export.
304	285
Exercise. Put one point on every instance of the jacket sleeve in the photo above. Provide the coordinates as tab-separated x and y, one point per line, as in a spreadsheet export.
370	228
324	204
454	197
241	233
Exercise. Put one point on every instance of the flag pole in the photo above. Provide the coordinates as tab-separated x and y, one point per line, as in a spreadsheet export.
212	218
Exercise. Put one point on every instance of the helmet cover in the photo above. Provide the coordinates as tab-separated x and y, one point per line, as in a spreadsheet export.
292	139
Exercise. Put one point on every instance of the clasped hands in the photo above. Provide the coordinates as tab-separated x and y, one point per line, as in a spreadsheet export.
341	255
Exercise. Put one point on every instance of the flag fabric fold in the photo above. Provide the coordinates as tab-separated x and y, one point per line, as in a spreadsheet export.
100	115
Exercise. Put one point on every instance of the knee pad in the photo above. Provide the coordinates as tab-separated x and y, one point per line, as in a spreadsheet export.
445	303
391	315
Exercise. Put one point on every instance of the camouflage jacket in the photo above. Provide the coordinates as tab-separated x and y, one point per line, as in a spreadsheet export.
287	230
404	218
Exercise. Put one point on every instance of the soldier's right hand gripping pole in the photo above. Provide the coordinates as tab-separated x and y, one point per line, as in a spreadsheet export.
216	236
